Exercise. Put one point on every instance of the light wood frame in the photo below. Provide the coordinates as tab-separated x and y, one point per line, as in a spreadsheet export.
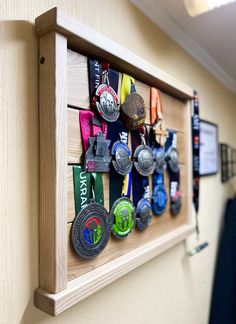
57	32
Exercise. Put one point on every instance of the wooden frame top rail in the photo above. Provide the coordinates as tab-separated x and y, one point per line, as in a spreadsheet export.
90	41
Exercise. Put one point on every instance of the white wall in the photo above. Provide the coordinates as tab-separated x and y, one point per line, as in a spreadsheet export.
169	289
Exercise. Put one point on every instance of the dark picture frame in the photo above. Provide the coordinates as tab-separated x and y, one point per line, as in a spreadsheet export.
209	148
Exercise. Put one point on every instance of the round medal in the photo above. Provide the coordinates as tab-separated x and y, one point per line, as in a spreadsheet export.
159	199
176	203
144	217
173	159
160	160
124	217
145	163
107	103
122	154
133	111
91	230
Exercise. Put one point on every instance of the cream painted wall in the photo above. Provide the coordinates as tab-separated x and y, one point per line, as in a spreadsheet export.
169	289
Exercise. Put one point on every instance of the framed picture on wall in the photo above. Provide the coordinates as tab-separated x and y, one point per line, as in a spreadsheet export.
208	148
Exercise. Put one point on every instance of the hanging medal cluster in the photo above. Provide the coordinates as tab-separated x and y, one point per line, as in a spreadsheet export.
116	140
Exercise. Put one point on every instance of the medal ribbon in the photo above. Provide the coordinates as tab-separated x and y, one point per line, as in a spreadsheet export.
84	184
196	153
174	176
156	112
139	191
96	70
90	127
126	87
119	185
156	106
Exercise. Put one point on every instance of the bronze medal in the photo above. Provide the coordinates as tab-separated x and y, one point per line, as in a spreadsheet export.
133	111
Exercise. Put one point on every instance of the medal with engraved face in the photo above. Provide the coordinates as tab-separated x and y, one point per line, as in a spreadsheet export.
122	155
91	230
145	163
124	217
143	210
172	156
107	103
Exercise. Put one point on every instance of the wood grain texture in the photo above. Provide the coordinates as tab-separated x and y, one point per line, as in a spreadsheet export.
116	248
78	84
90	41
53	163
175	112
87	284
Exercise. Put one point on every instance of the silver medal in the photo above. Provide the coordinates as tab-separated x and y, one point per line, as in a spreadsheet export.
107	103
122	154
173	159
160	161
145	163
97	157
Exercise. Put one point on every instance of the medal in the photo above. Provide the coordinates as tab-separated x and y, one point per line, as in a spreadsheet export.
133	112
172	157
158	136
159	195
144	162
160	160
123	213
176	203
122	154
143	210
91	231
107	103
97	157
92	225
105	98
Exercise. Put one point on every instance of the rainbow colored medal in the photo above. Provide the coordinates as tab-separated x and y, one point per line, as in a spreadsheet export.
92	225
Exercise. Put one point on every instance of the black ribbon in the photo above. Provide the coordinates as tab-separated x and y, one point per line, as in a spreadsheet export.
196	154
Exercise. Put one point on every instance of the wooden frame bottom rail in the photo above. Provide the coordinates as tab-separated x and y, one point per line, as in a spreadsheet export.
89	283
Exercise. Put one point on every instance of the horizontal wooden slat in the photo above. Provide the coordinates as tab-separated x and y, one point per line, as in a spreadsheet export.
90	41
78	86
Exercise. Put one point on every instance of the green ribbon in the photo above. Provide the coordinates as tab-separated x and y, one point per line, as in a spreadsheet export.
84	183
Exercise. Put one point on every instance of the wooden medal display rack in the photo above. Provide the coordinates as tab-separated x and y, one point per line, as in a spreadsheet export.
65	45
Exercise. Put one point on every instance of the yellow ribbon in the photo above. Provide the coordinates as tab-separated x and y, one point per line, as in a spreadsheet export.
127	80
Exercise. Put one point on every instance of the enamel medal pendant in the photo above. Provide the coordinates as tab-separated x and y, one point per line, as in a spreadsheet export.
106	99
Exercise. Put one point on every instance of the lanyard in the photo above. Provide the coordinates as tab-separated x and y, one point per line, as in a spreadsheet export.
90	126
86	186
156	106
196	153
119	185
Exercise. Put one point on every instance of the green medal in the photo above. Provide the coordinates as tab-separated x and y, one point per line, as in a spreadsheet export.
123	213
